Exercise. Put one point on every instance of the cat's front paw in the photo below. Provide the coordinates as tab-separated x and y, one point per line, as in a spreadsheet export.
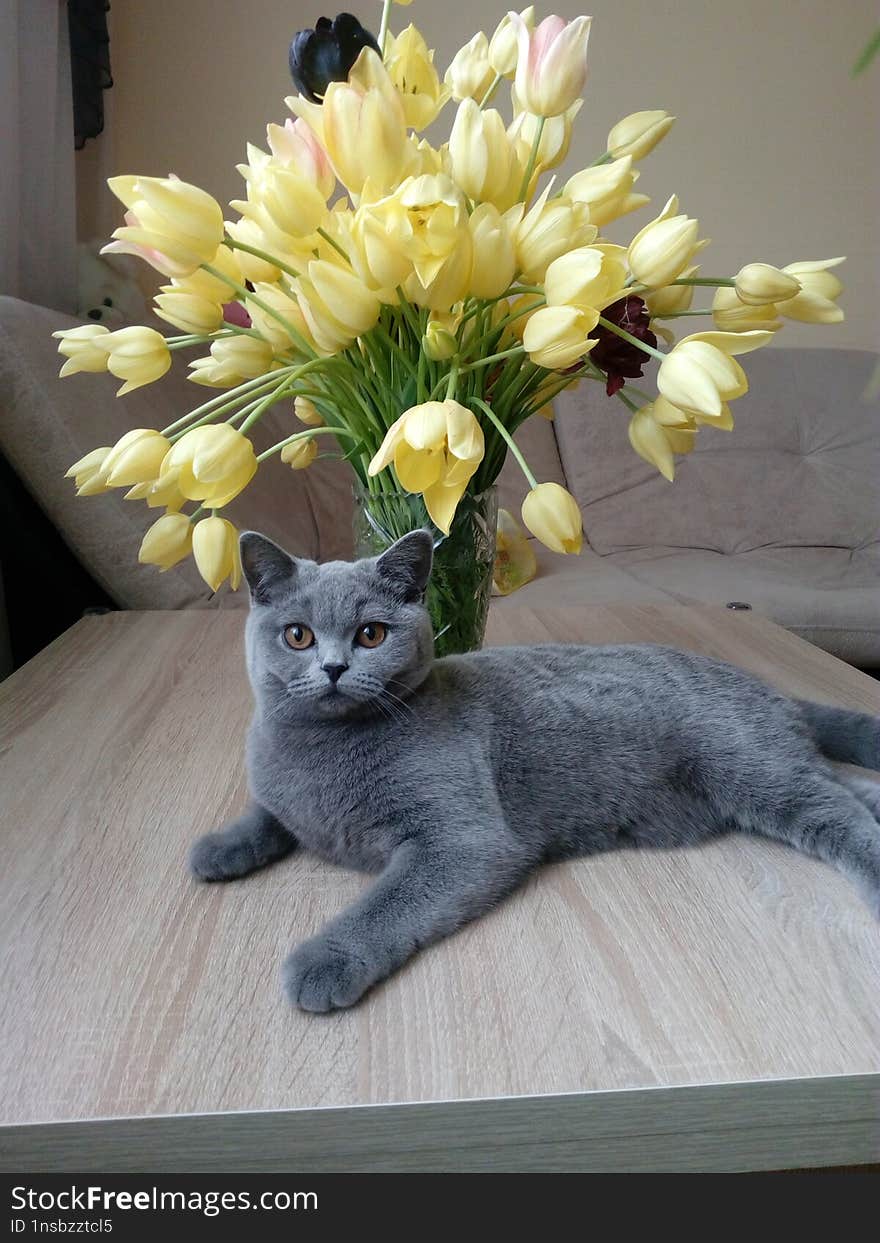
218	856
324	975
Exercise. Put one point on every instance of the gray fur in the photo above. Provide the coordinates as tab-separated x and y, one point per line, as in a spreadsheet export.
452	780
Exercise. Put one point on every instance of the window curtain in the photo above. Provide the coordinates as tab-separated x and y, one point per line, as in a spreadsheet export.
38	186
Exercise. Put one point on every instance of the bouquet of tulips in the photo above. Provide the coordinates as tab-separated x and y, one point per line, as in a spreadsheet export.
416	303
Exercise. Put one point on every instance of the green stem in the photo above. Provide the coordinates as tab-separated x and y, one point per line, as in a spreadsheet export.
493	87
452	379
224	401
606	158
330	242
727	281
530	167
682	314
630	405
493	358
627	336
260	254
306	435
506	436
383	25
244	294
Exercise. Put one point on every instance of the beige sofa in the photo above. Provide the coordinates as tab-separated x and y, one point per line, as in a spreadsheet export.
783	514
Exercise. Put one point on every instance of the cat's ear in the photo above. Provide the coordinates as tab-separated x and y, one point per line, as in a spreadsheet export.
265	566
407	564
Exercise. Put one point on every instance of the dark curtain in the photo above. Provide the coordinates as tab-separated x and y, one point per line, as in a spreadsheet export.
89	65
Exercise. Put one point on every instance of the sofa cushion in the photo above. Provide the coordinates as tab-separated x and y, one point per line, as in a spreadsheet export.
584	580
829	596
800	468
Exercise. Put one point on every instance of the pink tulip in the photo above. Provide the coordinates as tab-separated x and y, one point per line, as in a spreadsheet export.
551	66
295	143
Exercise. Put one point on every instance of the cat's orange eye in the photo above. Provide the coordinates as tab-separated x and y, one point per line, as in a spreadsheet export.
298	637
371	635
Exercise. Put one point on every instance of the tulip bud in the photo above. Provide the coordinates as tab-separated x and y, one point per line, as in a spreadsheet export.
607	191
665	247
173	225
700	374
439	341
549	229
136	355
481	158
337	305
552	515
588	277
470	75
817	301
83	348
732	315
167	541
758	284
136	458
215	550
188	311
252	268
89	474
364	128
295	143
210	464
379	252
410	64
638	134
551	66
671	299
494	254
300	453
306	413
555	137
504	44
556	337
657	441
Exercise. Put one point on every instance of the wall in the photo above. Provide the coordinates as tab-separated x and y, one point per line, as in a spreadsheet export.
775	149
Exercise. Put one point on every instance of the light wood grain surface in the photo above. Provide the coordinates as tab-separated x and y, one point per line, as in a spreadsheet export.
127	990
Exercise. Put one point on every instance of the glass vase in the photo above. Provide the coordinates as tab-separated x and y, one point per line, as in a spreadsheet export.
461	580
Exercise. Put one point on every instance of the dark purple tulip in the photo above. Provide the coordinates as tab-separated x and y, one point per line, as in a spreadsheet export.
617	358
326	54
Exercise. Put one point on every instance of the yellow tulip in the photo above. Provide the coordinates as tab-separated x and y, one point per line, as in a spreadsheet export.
494	253
171	224
294	144
210	464
515	561
306	413
607	191
665	247
158	493
379	235
731	315
188	311
555	337
549	229
300	453
203	285
410	65
470	75
136	458
88	473
657	440
551	65
232	360
215	551
638	134
700	374
817	301
292	201
83	348
439	341
555	137
671	299
504	44
435	448
364	127
252	268
590	277
519	310
136	355
760	284
552	515
167	541
481	159
336	304
269	328
438	241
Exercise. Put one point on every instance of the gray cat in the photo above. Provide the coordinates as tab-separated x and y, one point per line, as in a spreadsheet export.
453	780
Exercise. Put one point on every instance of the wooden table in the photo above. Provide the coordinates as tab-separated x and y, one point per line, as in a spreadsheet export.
712	1009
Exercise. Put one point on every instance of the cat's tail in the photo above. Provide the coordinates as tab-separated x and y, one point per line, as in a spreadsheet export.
841	734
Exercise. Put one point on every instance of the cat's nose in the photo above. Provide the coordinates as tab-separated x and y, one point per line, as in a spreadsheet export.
334	672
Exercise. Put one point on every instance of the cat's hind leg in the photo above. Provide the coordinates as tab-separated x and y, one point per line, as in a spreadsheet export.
826	819
253	841
865	790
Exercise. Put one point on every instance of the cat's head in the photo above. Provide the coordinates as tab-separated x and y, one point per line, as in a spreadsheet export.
342	639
